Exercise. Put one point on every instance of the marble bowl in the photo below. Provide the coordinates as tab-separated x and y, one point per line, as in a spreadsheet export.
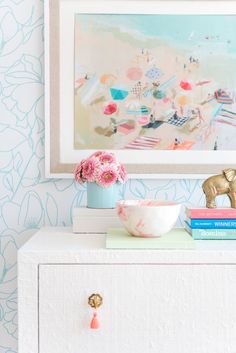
148	218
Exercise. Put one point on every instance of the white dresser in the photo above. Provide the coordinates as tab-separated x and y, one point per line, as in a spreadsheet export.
181	301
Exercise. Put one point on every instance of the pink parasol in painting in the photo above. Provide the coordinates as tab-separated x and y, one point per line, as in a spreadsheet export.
186	85
110	108
134	73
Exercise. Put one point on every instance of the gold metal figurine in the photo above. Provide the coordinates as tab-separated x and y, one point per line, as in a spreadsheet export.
224	183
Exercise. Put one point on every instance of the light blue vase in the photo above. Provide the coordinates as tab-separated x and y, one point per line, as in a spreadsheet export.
99	197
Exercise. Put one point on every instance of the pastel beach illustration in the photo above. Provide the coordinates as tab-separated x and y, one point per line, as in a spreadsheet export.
146	82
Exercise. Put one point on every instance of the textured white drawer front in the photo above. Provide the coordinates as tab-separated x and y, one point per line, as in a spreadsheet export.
147	308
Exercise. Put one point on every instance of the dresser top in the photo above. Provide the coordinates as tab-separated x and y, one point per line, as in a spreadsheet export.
61	245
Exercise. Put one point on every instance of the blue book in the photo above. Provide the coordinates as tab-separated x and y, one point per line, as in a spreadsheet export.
212	223
211	234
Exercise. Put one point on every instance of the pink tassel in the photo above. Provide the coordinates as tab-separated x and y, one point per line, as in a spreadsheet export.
94	324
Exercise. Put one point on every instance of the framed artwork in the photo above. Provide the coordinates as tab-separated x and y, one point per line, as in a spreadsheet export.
152	81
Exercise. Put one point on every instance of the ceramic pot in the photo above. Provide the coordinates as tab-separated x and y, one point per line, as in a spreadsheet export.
102	197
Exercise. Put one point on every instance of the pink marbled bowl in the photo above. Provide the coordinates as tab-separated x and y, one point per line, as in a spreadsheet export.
148	218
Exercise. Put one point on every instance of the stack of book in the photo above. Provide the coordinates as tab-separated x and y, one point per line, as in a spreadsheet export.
211	223
91	220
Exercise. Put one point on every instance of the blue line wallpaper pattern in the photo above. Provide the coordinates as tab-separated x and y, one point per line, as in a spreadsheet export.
28	201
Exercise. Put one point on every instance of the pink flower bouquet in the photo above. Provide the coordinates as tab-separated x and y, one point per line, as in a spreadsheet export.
101	168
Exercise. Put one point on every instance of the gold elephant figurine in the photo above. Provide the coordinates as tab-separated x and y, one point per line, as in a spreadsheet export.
224	183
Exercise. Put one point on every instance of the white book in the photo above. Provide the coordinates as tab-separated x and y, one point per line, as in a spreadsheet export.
95	212
88	220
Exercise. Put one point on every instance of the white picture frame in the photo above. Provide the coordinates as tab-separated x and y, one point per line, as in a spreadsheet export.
60	156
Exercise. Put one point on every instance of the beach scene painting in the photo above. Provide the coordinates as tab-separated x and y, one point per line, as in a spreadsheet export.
155	82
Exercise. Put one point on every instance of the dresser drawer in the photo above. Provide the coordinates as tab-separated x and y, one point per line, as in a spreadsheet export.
146	308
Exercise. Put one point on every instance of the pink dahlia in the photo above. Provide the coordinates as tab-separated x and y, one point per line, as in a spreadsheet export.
101	167
90	167
107	176
96	154
78	172
107	158
122	176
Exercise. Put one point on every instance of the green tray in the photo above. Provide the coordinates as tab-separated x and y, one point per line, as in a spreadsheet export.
177	238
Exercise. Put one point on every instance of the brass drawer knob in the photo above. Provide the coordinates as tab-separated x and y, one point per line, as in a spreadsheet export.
95	300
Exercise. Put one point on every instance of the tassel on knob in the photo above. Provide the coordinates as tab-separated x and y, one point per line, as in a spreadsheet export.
94	322
95	301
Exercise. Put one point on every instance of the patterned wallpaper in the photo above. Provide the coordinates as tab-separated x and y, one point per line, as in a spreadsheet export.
28	200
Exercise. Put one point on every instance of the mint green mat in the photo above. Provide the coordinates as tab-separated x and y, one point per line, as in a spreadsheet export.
177	238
